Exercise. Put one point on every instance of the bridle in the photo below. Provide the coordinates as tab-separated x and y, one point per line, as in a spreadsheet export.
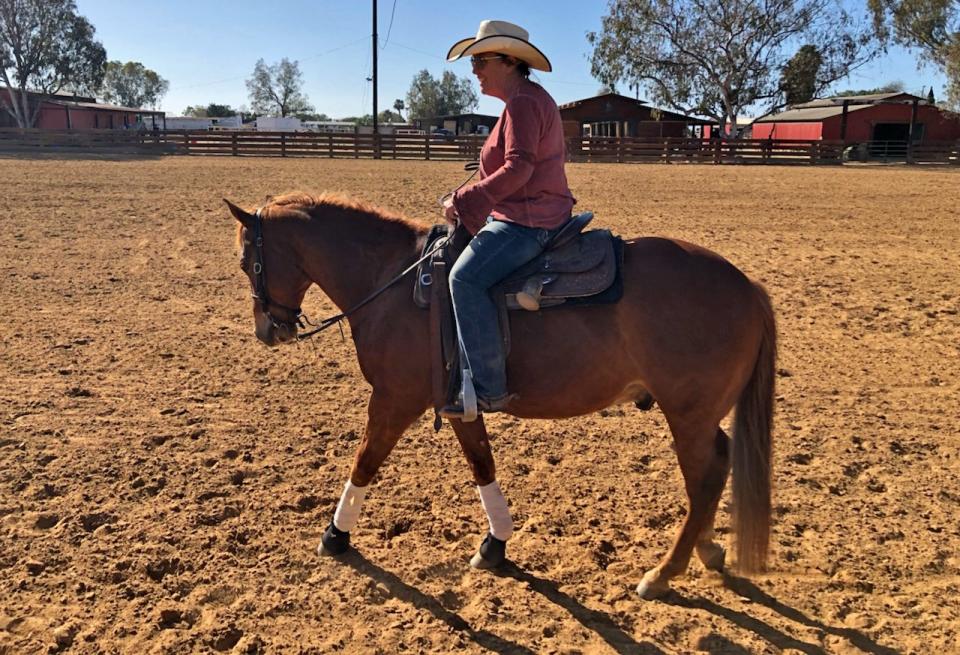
260	285
299	318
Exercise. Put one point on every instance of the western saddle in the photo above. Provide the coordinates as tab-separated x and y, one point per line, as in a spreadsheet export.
576	267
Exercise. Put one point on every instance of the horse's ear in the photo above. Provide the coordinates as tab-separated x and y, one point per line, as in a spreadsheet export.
245	219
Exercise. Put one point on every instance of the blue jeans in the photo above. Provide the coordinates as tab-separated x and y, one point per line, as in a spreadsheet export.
496	251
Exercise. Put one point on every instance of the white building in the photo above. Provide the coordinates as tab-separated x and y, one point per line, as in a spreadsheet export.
278	124
330	126
204	123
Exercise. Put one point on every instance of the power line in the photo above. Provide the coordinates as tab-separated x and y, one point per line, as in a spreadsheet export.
392	11
240	77
422	52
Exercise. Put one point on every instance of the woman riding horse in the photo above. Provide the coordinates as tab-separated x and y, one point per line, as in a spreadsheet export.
691	330
516	207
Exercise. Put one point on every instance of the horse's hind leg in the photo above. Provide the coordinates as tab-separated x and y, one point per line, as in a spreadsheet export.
705	463
387	418
710	552
475	443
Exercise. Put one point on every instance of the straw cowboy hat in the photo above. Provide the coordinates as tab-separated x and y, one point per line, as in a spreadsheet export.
504	38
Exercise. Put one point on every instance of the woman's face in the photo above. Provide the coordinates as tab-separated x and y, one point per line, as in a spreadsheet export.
494	72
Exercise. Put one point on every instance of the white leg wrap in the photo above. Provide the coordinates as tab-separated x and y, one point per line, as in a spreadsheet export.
348	510
495	505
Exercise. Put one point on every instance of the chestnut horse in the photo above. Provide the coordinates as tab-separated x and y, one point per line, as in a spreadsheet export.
691	331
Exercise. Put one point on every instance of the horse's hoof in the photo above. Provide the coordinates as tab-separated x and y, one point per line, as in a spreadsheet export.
492	553
713	556
334	542
651	587
644	404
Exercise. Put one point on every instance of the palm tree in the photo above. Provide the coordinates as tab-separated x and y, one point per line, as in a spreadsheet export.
399	107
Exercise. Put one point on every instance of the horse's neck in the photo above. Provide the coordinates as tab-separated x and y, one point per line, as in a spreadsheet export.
350	254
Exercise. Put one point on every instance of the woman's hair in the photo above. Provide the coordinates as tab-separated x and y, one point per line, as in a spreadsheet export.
522	67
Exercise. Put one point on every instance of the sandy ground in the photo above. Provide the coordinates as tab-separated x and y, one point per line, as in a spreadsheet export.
165	479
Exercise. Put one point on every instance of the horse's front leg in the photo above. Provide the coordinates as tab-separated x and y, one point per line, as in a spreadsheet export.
476	447
387	418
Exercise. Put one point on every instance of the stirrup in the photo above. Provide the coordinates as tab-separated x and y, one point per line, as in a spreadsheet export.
465	409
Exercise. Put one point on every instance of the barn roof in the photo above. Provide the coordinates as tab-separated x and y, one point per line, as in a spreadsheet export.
806	114
823	108
576	103
102	106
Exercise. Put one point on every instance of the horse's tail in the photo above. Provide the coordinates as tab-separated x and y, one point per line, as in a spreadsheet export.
752	447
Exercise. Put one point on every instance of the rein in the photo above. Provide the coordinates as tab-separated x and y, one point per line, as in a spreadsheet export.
260	278
333	320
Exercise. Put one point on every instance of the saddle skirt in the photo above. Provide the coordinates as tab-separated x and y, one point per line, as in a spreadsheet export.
583	269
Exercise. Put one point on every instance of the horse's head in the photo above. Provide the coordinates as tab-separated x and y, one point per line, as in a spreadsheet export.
266	248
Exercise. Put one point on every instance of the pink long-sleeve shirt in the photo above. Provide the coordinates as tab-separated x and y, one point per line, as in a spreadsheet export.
521	167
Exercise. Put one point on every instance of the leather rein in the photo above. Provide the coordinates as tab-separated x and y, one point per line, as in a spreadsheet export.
299	318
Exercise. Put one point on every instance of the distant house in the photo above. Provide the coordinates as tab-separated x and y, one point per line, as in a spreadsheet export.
278	124
330	126
615	115
874	118
65	111
458	123
204	123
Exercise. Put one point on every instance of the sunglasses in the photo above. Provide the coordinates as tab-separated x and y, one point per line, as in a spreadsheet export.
479	61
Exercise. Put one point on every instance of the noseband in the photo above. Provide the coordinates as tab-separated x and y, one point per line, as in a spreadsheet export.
260	285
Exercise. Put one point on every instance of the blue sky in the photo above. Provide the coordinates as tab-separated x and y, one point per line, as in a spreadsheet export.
207	49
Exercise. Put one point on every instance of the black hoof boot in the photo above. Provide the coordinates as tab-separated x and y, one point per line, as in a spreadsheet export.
492	553
334	542
645	403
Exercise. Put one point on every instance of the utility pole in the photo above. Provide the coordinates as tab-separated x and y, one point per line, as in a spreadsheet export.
376	129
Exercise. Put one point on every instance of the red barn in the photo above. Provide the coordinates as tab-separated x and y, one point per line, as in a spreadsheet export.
615	115
869	118
64	111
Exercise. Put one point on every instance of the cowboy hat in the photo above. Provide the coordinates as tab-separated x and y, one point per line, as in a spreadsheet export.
504	38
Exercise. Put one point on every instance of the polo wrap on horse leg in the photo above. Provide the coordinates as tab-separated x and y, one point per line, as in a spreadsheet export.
495	505
348	510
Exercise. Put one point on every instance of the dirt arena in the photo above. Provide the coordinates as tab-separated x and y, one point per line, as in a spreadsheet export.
165	479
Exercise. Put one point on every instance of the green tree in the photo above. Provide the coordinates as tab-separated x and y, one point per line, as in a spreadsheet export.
798	78
213	110
399	107
132	85
366	119
890	87
716	58
930	26
45	47
220	111
387	116
312	116
429	97
277	89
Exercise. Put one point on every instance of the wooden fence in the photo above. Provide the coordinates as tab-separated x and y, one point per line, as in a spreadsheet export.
699	151
465	148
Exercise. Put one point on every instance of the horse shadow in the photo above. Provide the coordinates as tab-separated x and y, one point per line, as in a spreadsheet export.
779	639
607	628
596	621
410	594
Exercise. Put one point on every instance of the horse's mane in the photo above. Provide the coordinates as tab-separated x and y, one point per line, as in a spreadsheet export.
310	205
